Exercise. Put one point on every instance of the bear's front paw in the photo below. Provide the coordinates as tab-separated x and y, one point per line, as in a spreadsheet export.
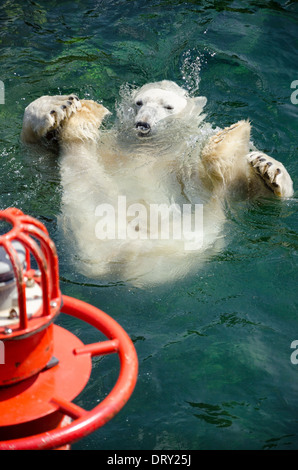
272	172
46	114
62	110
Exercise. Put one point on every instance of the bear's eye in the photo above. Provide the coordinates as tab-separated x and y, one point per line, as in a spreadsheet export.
169	107
139	103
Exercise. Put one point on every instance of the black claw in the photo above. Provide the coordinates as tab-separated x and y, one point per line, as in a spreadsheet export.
70	98
268	164
53	111
69	102
63	106
261	159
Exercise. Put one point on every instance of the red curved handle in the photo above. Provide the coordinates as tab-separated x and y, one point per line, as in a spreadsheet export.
86	422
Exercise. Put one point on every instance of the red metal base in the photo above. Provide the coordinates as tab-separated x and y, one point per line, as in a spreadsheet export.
33	412
35	398
27	356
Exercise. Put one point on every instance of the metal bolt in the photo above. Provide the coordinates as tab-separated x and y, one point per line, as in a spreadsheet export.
53	303
8	331
30	282
12	314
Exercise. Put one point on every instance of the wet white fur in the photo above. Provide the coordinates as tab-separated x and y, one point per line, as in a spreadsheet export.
182	161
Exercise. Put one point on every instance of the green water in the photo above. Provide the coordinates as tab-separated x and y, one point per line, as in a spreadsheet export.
214	349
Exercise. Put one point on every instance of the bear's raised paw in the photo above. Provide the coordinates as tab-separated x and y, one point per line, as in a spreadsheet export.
273	173
46	114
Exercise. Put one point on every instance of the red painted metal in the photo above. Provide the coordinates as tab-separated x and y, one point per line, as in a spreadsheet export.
29	348
36	401
86	422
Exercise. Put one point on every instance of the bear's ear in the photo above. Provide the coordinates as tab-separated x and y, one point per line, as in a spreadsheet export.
200	102
196	105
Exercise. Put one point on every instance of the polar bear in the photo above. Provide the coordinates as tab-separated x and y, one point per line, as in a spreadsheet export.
143	200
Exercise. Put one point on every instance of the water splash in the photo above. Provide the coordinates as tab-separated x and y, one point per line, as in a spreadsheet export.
192	63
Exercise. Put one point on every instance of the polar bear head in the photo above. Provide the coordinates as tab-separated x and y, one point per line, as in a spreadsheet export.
165	102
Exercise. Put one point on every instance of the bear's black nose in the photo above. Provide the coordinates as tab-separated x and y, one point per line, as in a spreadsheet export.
143	127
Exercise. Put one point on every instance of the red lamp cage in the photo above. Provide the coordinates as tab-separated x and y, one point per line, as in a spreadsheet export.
46	366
